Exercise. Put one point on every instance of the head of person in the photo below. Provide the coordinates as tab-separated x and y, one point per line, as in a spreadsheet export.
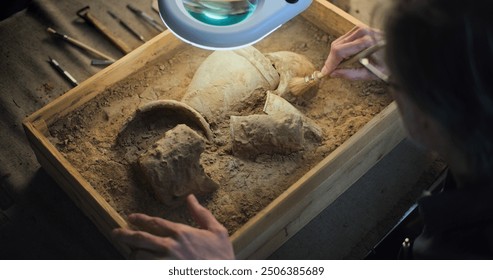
440	56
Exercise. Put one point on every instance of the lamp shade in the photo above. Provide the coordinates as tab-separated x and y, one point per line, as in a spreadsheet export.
209	28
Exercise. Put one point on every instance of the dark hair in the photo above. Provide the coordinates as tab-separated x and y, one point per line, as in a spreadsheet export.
440	52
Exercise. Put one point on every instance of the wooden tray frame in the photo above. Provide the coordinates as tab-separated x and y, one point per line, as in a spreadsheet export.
282	218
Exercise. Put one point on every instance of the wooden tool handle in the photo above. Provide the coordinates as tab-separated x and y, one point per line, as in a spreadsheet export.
362	54
79	44
116	41
354	59
89	49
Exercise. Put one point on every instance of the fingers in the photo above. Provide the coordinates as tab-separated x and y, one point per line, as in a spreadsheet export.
355	33
353	74
202	216
143	240
349	44
153	225
359	73
185	242
162	227
348	34
351	48
339	52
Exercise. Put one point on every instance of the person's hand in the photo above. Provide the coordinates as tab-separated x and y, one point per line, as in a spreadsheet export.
160	238
357	39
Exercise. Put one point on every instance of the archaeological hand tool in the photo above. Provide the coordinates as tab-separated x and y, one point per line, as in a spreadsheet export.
80	45
147	18
63	72
155	6
127	27
91	19
300	84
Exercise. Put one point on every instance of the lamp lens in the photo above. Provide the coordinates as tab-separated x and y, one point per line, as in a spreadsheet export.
220	12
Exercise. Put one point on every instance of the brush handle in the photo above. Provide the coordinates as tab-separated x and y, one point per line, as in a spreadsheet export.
362	54
79	44
89	49
317	75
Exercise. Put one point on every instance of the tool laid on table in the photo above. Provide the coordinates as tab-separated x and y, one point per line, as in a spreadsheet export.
299	84
147	18
155	6
63	72
91	19
80	45
127	27
101	62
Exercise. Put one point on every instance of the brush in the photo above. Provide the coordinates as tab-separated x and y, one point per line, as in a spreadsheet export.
298	85
79	44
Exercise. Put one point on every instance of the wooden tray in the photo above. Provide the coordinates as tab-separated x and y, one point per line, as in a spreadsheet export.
281	219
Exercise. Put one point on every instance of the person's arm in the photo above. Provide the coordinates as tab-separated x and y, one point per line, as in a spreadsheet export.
356	40
159	238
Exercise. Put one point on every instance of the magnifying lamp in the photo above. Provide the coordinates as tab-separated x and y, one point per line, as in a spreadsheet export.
227	24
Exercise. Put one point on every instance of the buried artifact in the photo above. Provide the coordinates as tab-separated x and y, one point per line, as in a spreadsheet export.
216	90
172	166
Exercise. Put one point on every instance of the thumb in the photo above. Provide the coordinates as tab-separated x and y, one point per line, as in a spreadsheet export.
201	215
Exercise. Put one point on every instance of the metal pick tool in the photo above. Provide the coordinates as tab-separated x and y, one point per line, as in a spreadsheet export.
145	17
101	62
126	26
155	6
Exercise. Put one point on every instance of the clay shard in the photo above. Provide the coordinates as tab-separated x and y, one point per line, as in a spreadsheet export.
275	105
227	78
291	65
180	108
266	134
172	166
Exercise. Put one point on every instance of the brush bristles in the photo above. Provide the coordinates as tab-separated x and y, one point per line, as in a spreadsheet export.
299	85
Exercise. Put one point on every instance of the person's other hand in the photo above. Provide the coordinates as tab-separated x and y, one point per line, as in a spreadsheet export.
357	39
160	238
